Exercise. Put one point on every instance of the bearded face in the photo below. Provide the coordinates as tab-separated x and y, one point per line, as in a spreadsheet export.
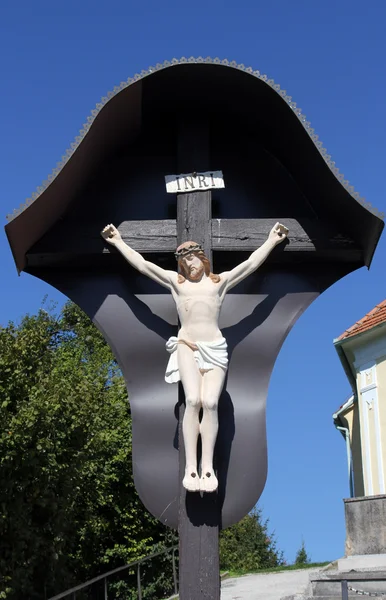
193	267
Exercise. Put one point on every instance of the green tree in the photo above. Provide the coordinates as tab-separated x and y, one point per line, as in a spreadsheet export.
302	557
247	545
68	506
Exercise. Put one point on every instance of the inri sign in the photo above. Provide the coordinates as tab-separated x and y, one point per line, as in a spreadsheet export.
193	182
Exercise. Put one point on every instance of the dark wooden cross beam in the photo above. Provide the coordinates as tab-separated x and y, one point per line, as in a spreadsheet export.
308	240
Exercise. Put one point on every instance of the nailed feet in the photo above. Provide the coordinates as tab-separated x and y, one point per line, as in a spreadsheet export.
191	481
206	483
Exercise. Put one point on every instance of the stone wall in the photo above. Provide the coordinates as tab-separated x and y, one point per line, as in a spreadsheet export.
365	525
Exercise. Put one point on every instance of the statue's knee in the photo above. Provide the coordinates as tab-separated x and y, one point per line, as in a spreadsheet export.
210	403
192	401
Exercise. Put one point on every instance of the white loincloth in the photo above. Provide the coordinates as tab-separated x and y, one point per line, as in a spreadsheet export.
208	355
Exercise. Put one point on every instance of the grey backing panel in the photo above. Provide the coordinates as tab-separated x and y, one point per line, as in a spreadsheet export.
141	353
252	360
136	326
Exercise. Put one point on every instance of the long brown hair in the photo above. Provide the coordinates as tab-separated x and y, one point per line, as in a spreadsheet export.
183	274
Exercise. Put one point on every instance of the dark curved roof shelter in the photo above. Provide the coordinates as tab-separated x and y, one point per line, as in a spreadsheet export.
247	111
182	117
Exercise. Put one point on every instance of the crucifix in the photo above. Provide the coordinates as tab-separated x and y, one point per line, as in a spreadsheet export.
190	118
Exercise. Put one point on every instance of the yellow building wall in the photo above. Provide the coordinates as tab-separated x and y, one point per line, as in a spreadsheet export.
366	418
352	422
368	441
371	410
381	386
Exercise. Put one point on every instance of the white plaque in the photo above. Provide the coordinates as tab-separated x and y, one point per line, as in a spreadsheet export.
194	182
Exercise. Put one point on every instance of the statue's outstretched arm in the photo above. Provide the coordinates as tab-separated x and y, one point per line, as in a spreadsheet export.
136	260
231	278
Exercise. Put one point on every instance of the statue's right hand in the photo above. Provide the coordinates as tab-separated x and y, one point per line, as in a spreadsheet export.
111	234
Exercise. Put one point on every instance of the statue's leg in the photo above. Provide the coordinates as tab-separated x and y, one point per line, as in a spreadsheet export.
212	385
191	381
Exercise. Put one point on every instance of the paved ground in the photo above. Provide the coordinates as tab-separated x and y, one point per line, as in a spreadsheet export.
266	586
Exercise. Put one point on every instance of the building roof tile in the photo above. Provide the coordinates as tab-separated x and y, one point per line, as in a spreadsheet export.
376	316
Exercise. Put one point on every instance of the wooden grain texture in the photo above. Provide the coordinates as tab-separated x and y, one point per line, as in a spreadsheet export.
143	236
156	235
199	517
227	234
304	236
194	219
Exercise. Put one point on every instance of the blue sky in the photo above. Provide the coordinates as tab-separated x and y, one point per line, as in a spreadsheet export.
58	60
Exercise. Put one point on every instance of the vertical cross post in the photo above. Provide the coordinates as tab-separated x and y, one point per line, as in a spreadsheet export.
139	581
344	590
199	516
175	572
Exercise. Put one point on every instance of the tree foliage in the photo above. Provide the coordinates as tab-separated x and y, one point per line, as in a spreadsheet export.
302	557
68	506
247	545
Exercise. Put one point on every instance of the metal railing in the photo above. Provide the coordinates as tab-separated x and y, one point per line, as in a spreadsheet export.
345	587
73	591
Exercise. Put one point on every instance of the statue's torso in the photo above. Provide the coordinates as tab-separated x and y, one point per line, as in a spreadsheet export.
198	306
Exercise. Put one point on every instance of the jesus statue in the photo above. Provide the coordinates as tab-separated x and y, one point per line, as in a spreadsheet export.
198	355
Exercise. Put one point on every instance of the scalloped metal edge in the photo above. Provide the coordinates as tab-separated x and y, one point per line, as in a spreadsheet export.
215	61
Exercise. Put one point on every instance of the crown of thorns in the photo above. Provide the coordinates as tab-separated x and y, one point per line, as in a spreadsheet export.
187	250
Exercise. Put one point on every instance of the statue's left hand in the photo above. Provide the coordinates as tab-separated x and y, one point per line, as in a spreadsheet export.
111	234
278	233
